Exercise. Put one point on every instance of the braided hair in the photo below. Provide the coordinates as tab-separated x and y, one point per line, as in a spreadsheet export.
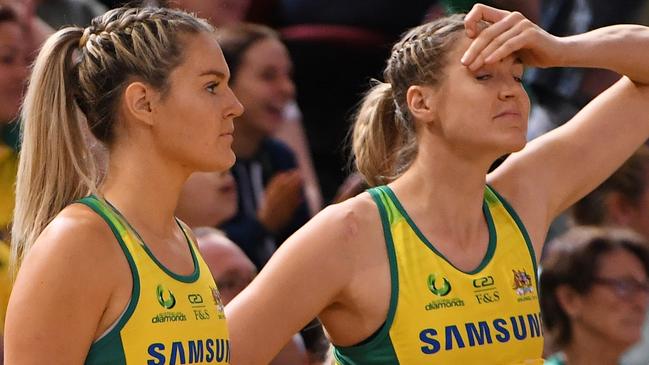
84	72
383	136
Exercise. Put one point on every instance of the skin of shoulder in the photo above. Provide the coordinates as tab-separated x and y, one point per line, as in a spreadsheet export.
71	287
321	268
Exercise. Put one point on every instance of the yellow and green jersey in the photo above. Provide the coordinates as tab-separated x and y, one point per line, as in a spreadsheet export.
171	319
439	314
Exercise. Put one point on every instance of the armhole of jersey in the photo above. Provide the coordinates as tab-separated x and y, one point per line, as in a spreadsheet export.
521	227
377	339
116	327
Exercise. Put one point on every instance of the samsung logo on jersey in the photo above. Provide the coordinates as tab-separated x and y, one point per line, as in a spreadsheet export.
190	352
480	333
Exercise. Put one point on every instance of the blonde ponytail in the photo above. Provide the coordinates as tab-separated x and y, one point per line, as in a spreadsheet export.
383	141
55	167
384	137
75	90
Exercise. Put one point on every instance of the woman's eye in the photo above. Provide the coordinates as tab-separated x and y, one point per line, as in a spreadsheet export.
211	88
518	78
483	77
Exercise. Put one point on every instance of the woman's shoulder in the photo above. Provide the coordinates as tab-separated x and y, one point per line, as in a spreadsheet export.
78	222
351	220
77	239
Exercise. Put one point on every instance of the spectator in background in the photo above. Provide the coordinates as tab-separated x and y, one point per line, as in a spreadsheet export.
594	291
452	103
13	73
228	13
233	271
337	47
207	199
269	184
231	268
622	201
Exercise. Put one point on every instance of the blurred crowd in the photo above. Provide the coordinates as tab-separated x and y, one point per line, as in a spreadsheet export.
300	67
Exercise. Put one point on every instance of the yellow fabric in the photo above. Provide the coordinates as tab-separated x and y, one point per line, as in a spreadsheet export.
196	322
472	323
441	315
5	282
8	170
171	319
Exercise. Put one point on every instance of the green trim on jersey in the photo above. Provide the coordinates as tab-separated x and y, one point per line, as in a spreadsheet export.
111	343
170	318
380	343
183	278
523	230
491	315
485	209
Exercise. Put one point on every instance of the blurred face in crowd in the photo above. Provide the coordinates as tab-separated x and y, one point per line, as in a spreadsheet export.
264	85
208	199
614	308
230	267
13	70
218	12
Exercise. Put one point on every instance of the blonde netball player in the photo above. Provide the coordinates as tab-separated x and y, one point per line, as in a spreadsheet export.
436	265
112	277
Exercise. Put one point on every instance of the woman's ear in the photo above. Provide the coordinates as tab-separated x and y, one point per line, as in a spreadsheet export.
139	99
422	101
569	300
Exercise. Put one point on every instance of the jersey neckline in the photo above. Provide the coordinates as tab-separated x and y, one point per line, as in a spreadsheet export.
491	245
190	278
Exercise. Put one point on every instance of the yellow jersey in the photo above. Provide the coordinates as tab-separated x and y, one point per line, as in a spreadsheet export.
439	314
8	171
171	319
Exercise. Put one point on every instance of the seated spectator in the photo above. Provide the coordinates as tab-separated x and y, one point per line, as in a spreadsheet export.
207	199
622	201
270	190
232	272
594	291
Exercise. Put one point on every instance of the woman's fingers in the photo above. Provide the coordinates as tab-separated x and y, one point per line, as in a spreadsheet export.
489	55
479	13
488	35
510	46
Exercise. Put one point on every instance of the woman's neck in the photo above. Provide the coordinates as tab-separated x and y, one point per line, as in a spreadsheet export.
450	188
145	189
